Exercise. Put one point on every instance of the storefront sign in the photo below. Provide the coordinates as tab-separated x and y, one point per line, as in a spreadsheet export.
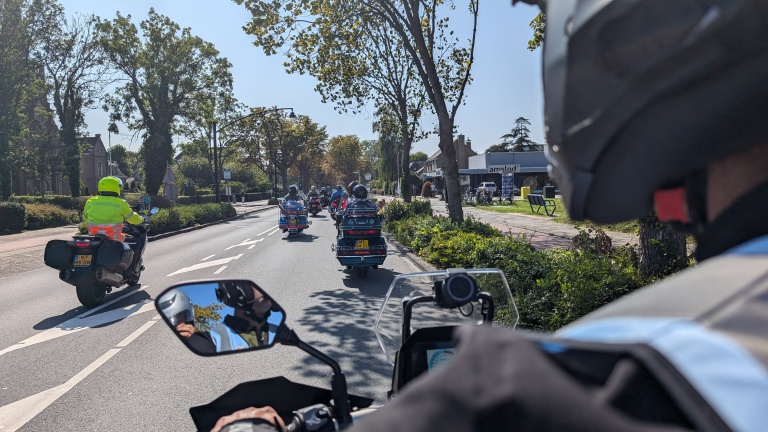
512	168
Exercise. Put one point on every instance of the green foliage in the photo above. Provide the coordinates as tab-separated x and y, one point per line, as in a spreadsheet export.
452	249
538	24
551	287
13	216
41	216
206	317
176	218
419	157
64	201
398	210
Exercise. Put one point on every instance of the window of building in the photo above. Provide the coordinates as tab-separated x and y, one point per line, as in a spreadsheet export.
100	170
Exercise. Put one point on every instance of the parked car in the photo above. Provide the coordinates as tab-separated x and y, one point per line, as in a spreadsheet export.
489	186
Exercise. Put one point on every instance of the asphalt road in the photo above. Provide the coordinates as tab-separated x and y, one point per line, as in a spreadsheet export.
118	367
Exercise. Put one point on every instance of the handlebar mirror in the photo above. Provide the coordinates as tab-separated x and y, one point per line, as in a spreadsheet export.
221	316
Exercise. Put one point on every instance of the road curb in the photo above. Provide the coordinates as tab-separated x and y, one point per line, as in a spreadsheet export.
405	250
197	227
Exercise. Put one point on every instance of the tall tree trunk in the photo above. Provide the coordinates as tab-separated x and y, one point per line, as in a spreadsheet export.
451	168
405	174
5	167
72	159
157	153
663	250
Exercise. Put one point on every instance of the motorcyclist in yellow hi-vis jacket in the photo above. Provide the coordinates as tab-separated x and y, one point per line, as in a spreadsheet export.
106	213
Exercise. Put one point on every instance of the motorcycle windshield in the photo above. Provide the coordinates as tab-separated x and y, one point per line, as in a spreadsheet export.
389	321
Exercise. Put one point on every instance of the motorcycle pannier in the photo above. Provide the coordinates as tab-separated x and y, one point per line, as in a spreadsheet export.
57	254
114	255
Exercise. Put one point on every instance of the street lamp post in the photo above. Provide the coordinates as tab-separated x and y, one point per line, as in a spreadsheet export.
292	115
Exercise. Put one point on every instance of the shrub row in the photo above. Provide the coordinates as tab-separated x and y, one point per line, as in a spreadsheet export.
551	287
13	216
41	216
184	216
64	201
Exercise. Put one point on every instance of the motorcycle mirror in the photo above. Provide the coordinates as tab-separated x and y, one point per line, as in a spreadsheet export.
215	317
154	210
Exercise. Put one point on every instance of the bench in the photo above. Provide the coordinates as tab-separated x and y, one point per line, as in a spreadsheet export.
540	201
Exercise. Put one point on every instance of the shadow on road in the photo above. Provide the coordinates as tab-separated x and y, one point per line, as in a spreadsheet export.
347	317
303	237
134	296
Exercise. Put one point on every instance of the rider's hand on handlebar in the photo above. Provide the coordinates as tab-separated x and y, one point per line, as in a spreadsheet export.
264	413
185	330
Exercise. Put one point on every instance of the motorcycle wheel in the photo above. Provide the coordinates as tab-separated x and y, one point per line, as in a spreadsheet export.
91	294
135	279
362	271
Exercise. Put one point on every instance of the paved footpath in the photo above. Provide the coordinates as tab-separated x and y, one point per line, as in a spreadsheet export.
541	232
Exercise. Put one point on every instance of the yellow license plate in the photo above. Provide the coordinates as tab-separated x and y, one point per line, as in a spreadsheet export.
82	260
362	244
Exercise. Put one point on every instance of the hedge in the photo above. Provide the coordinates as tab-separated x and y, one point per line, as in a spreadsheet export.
64	201
41	216
184	216
13	216
551	287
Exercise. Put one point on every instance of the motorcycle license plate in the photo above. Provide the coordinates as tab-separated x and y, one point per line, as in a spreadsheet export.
82	260
362	244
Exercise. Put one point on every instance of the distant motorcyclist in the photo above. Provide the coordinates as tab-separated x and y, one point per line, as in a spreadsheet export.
345	199
313	192
337	193
107	212
293	194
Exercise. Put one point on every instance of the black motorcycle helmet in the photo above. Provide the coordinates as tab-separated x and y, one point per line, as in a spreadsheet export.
351	186
293	190
338	187
360	192
642	96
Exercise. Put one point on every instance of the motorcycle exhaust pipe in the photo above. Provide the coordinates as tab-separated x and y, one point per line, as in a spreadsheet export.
108	276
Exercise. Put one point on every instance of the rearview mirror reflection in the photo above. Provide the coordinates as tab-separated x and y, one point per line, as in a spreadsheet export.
223	316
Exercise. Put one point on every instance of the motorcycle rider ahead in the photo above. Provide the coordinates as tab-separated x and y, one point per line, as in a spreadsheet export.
293	194
649	104
313	192
106	212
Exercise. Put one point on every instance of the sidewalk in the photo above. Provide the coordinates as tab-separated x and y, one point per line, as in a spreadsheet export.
37	238
541	232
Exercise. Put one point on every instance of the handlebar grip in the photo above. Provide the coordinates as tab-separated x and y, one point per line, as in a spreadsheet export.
294	425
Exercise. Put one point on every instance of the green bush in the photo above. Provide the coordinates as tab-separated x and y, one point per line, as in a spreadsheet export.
41	216
64	201
452	249
397	209
180	217
13	216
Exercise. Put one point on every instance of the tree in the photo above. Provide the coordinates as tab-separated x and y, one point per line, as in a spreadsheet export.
518	139
538	24
206	317
77	72
40	156
662	248
164	67
419	157
344	157
440	62
119	155
22	24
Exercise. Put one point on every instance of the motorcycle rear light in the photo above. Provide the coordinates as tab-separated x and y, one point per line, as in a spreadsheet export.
82	243
363	232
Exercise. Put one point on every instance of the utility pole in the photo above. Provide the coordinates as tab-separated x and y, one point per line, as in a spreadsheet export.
215	167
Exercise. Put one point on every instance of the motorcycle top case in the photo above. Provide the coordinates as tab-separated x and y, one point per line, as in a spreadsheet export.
114	255
58	254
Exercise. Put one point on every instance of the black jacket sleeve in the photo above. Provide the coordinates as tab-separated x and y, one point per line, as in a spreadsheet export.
498	380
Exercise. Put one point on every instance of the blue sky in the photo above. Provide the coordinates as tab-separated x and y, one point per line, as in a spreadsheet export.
507	77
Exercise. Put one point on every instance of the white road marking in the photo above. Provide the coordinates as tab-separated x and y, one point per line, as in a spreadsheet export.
114	300
267	231
221	269
208	257
246	243
205	265
77	324
14	416
251	247
276	230
137	333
